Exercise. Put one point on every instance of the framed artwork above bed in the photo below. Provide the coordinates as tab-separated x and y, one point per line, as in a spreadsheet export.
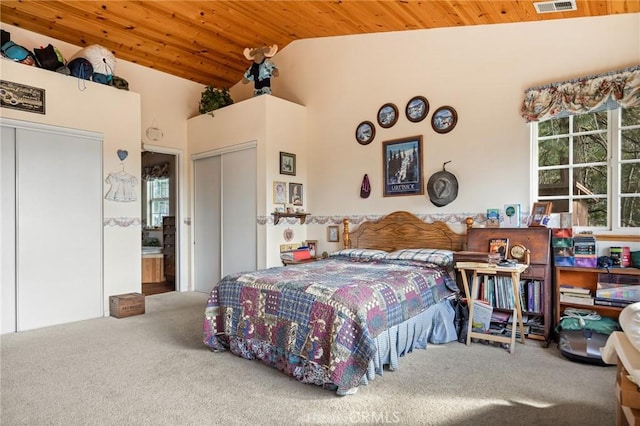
402	166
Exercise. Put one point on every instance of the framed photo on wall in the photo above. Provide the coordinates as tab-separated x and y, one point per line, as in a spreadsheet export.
279	192
287	163
295	194
333	233
402	166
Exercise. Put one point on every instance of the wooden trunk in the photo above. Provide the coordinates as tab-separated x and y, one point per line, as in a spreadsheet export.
126	305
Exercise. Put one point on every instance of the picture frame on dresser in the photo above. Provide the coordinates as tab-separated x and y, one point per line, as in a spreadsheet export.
539	211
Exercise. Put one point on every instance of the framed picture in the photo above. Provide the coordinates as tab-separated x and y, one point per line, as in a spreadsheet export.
499	246
313	247
402	166
444	119
417	109
287	163
333	234
539	212
387	115
295	194
279	192
365	132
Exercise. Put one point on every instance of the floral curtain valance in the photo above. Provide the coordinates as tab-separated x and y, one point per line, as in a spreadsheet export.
583	95
158	171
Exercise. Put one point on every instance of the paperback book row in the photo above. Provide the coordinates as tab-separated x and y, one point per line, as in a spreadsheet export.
497	291
573	250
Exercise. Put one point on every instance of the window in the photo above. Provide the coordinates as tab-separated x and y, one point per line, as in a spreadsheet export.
589	165
158	199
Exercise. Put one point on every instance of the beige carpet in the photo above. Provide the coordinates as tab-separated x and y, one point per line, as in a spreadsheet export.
153	369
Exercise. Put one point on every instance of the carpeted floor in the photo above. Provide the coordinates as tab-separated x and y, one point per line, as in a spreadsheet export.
153	369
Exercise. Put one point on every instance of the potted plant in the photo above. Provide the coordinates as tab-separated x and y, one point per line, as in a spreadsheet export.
214	98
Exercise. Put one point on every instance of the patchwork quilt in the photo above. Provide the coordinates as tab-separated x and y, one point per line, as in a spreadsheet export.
327	312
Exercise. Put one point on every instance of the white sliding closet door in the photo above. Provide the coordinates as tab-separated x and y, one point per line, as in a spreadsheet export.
59	228
206	238
225	227
8	229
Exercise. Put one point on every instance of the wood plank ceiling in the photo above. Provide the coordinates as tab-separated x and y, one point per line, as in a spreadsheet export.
203	40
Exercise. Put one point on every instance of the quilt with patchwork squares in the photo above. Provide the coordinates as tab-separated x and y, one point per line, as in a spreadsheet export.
327	312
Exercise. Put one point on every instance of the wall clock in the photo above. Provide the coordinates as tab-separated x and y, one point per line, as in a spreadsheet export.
365	132
387	115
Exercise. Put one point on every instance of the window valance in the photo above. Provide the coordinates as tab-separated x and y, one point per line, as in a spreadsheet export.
583	95
158	171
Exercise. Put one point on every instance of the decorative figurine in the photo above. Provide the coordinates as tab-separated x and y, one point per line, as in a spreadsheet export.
262	69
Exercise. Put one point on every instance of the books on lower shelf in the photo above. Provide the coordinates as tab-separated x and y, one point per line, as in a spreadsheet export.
578	299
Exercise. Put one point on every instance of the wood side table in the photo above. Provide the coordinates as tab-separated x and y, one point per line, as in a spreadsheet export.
478	268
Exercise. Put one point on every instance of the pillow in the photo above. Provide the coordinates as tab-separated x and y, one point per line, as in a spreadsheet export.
437	257
364	255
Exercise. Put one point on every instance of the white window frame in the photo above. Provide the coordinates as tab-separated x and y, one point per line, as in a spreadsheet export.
614	167
151	199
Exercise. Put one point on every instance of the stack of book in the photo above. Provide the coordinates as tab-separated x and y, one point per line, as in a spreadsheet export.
575	295
584	251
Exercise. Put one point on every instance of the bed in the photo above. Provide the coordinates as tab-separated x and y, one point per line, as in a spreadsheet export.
340	321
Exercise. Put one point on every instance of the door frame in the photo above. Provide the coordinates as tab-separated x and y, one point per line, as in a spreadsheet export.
182	284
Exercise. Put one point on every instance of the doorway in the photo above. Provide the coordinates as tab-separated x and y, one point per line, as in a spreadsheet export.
159	222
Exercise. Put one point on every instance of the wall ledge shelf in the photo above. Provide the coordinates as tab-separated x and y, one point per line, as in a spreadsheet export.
277	215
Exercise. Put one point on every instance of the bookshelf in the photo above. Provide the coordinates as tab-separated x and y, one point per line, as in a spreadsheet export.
536	278
510	285
586	278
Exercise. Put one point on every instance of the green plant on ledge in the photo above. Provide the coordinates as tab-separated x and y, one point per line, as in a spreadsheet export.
214	98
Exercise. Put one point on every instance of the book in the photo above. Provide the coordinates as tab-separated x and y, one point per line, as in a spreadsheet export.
570	298
499	246
566	288
602	301
493	218
481	320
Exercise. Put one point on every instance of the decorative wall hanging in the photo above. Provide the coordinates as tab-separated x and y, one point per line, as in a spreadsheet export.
444	119
402	166
153	132
365	132
442	187
287	163
417	109
387	115
122	184
21	97
365	188
122	154
287	234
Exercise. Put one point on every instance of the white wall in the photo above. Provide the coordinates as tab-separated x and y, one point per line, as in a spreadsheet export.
481	71
275	125
153	96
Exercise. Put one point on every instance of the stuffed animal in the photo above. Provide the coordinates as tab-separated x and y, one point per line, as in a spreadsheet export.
262	69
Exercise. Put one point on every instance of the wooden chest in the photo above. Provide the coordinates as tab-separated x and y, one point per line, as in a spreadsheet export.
126	305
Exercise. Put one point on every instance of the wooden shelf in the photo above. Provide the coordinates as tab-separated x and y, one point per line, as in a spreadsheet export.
278	215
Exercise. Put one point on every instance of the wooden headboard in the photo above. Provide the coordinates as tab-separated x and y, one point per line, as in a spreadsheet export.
400	230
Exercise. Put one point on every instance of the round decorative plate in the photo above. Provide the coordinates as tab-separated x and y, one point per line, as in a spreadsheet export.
444	119
417	109
387	115
365	132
